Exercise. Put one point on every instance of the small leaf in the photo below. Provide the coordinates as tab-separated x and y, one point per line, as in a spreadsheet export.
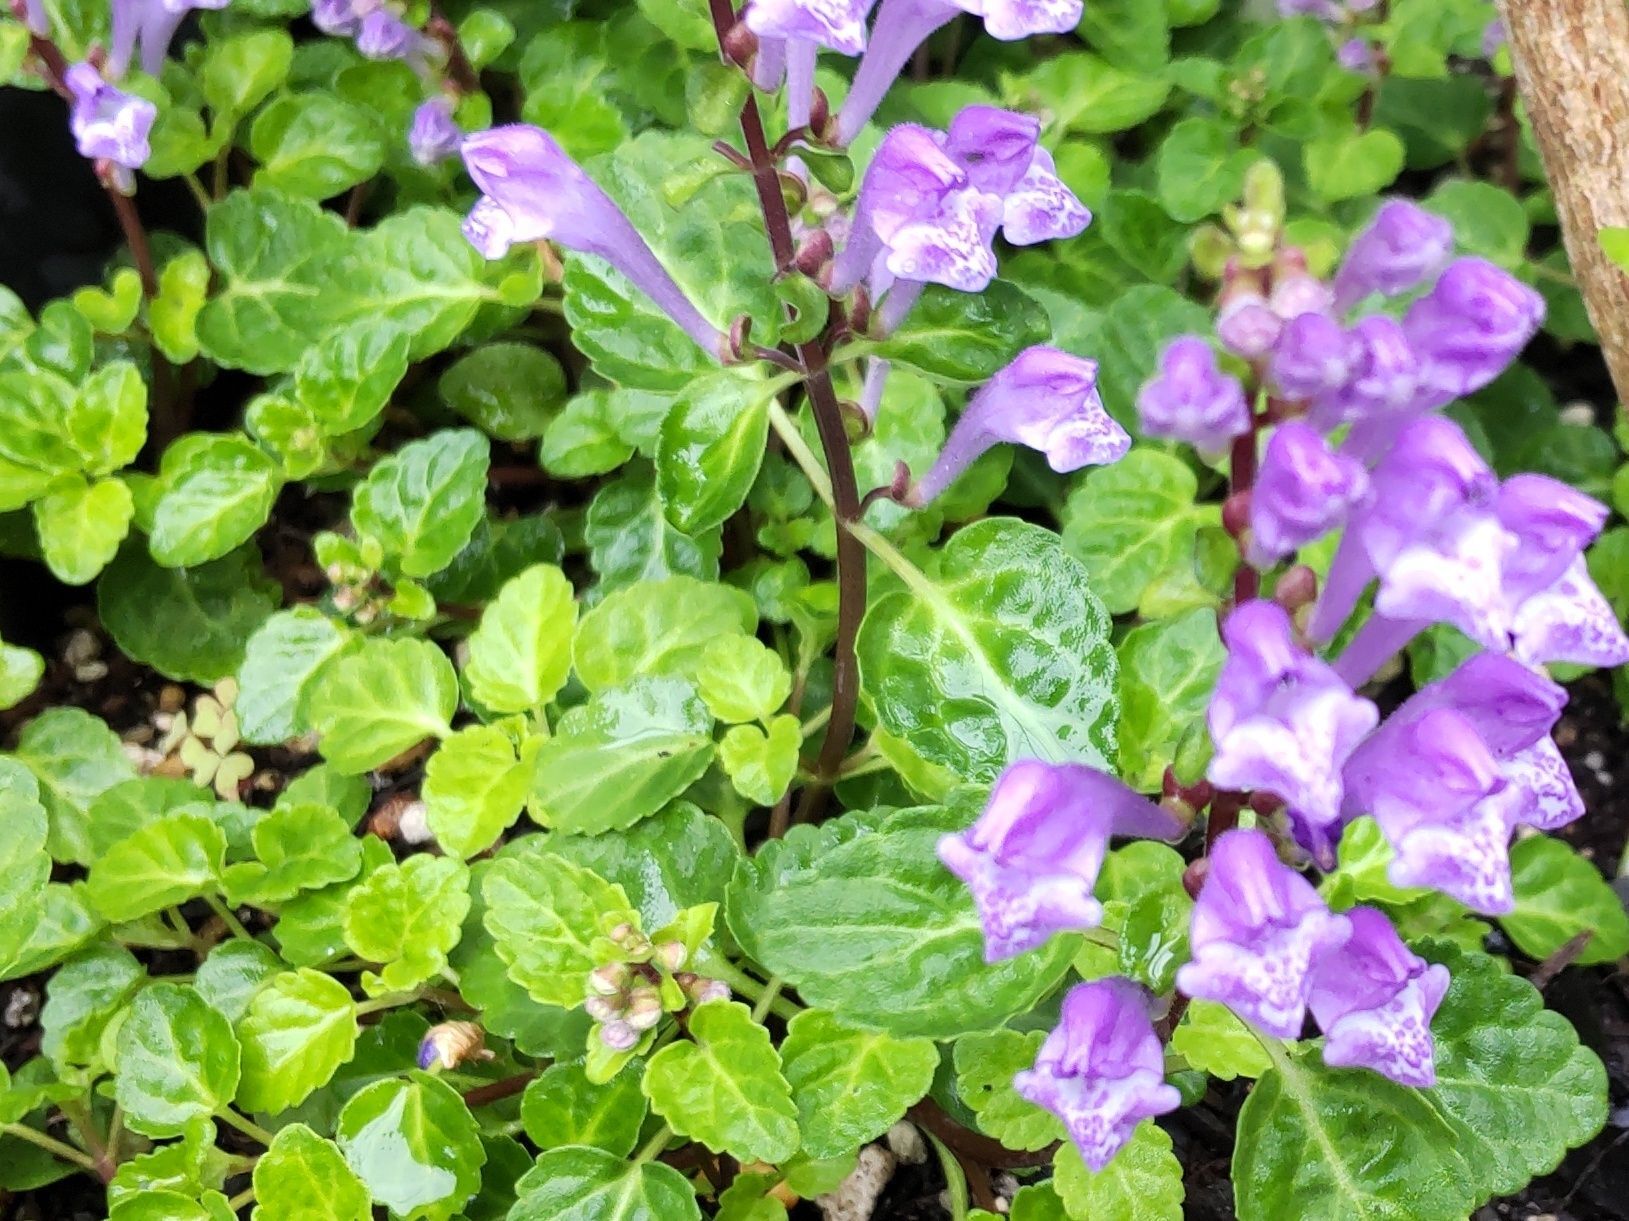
25	868
279	663
1559	895
238	72
346	380
407	916
1167	670
562	1107
985	1066
1142	1183
302	1177
851	1085
218	490
297	847
509	390
81	526
474	787
966	338
81	998
166	862
725	1088
423	501
581	1184
298	1030
742	679
761	763
228	979
711	447
1212	1040
75	758
178	1061
657	628
520	653
315	144
377	700
1353	165
414	1144
630	538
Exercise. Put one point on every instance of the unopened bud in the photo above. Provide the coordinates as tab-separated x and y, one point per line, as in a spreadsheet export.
603	1008
671	955
701	991
1193	877
1236	514
820	116
610	979
453	1043
644	1011
740	45
1296	588
1265	804
813	253
619	1036
740	337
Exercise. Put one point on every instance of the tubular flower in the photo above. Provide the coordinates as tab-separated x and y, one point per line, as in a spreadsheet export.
1190	398
1401	248
108	124
998	150
1032	858
1470	326
532	191
1046	400
1102	1070
1381	389
1374	999
1303	491
433	136
1258	926
1314	356
838	25
149	25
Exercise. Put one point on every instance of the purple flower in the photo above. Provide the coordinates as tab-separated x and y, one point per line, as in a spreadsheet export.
920	218
998	150
341	18
384	35
1032	858
1102	1070
151	24
1382	387
108	124
1313	357
1374	1001
1511	706
1303	491
1258	926
1248	326
1552	797
1326	9
532	191
1402	248
35	18
1469	327
1553	524
1356	55
903	25
1301	293
1570	621
1046	400
434	136
1190	398
1494	38
836	24
1283	721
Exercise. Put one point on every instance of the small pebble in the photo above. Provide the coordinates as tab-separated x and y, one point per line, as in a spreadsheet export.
413	823
856	1199
22	1008
906	1143
1595	760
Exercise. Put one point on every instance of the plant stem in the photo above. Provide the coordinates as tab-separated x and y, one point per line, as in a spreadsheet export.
228	917
392	1001
79	1115
766	1002
1241	478
495	1091
240	1201
247	1126
955	1178
51	1145
720	968
654	1145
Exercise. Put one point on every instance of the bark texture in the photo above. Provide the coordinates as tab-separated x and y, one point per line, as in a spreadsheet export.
1572	68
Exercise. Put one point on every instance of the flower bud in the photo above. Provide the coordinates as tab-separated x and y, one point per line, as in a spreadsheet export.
610	979
645	1010
453	1043
603	1008
619	1036
740	45
671	955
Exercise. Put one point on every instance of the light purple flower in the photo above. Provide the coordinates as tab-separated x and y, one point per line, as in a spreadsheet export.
1032	858
340	18
1314	356
1302	492
1283	721
35	18
1471	326
1325	9
1102	1070
920	218
1511	706
1258	927
1374	999
836	24
998	150
1570	621
109	125
1190	398
904	25
1400	249
1046	400
1494	38
1553	523
1356	55
1248	326
151	25
1382	387
434	136
384	35
532	191
1301	293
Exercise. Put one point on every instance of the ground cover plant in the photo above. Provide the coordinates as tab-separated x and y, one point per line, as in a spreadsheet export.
941	608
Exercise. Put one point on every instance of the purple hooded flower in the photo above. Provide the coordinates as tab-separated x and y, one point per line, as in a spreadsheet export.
1313	357
1356	55
1032	858
836	24
340	18
434	136
1283	721
1569	621
904	25
998	150
920	218
532	191
1374	999
108	124
1553	523
1046	400
1469	328
1248	326
1102	1070
384	35
1303	491
1258	926
35	18
1402	248
1494	38
1190	398
1381	389
151	24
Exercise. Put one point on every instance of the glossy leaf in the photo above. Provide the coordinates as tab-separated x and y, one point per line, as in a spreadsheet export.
583	1184
408	917
178	1061
985	1065
25	868
81	525
166	862
711	445
1167	671
297	847
346	380
562	1107
298	1030
509	390
657	628
279	662
377	700
228	979
303	1177
762	762
1142	1183
742	679
850	1085
218	490
1212	1040
1559	894
630	538
520	653
474	788
315	144
414	1145
966	337
422	502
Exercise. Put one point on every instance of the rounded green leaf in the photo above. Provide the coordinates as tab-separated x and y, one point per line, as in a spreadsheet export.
1560	895
712	444
278	664
238	72
520	653
508	390
75	758
345	380
1352	165
167	861
724	1087
415	1146
985	1065
297	847
474	788
302	1177
408	917
82	997
656	628
315	144
850	1085
1212	1040
377	700
298	1030
228	979
1142	1183
1167	670
742	679
583	1184
1000	652
967	337
178	1061
563	1107
25	867
81	526
218	489
761	762
1200	167
630	538
423	501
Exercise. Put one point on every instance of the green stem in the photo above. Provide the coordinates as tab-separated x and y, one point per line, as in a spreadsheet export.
813	724
228	917
247	1126
242	1200
786	428
51	1145
718	967
394	1001
765	1002
955	1178
79	1115
654	1145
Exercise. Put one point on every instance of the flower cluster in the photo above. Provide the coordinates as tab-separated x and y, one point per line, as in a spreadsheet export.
378	30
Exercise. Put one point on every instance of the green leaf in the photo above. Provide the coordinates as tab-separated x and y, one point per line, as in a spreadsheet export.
178	1061
622	756
1212	1040
876	930
999	652
218	489
414	1144
1134	226
190	624
583	440
299	1028
297	847
544	914
81	526
25	868
1487	221
1080	92
657	628
966	337
1559	895
508	390
761	763
1512	1080
562	1107
474	787
1352	166
238	72
580	1184
346	380
82	997
630	539
1167	670
302	1177
108	422
407	917
279	664
1321	1143
315	144
985	1065
20	673
742	679
75	758
60	924
228	979
1200	168
35	444
1132	522
851	1085
1142	1183
377	700
167	861
520	654
724	1087
711	446
423	501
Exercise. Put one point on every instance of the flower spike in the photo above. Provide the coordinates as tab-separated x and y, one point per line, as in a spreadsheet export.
1190	398
109	125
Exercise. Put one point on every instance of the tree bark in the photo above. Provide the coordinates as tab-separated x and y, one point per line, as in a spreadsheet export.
1572	68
